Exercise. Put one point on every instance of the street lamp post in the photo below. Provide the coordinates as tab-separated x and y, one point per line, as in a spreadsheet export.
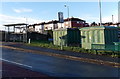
67	9
67	12
100	13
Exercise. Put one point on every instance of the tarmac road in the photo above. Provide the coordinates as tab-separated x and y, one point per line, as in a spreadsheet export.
56	67
13	70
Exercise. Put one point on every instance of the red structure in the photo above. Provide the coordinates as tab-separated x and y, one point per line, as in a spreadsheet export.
75	23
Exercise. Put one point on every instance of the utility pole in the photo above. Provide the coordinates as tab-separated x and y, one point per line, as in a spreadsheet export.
100	13
112	18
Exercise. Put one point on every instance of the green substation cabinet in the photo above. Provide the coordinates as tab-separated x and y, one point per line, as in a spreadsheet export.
67	37
98	37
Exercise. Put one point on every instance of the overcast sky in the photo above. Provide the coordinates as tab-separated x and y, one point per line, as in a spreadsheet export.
36	12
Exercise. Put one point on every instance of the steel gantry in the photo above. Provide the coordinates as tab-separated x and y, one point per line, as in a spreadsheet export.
16	32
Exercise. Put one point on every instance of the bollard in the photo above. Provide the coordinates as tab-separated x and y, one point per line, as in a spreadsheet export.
29	41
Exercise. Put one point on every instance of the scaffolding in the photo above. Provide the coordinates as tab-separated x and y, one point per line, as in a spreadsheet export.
17	33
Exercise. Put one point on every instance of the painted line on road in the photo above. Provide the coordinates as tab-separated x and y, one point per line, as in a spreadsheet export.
16	63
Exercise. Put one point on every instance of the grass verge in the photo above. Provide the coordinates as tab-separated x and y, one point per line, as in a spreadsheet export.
47	44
